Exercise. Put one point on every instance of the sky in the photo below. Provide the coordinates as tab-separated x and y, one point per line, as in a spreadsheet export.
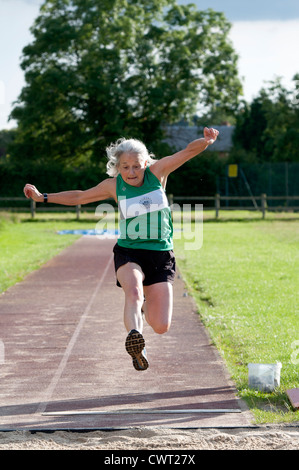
265	35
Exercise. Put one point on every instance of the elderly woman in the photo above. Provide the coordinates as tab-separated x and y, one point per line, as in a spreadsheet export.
143	256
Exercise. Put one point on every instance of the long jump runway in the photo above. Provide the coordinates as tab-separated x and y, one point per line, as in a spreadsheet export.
64	364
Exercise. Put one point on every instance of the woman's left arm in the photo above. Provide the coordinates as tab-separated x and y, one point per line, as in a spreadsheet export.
162	168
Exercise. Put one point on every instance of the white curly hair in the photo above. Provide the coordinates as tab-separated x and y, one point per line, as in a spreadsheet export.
122	145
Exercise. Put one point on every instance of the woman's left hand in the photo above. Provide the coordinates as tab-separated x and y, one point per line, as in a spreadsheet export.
210	135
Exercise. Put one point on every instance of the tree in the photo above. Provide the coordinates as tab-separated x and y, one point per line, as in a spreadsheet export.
101	69
281	136
251	123
267	129
6	138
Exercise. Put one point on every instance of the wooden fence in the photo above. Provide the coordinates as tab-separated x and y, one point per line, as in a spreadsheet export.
257	203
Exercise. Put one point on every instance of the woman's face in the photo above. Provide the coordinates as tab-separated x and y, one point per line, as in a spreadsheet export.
131	166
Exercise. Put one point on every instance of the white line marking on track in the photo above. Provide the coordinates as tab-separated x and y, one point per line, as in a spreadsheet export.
49	392
132	411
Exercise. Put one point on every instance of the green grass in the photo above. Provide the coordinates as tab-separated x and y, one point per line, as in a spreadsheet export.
27	244
244	280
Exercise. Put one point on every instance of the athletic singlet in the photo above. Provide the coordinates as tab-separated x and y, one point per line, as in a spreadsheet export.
144	215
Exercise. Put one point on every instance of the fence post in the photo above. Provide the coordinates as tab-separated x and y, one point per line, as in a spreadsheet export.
264	204
78	209
217	204
32	208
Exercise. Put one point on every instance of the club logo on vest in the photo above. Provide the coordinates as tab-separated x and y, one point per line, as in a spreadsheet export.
146	202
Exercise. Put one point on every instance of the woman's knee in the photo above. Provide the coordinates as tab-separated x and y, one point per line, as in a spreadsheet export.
161	328
134	293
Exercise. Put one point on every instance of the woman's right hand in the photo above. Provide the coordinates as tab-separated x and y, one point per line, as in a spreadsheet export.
30	191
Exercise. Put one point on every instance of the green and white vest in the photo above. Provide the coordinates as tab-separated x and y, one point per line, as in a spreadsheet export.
144	215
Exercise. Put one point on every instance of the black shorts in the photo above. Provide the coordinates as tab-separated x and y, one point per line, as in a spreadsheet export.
157	266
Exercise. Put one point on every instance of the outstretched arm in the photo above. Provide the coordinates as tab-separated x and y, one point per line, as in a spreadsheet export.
104	190
162	168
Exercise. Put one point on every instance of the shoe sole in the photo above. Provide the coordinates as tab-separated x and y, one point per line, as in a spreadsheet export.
134	346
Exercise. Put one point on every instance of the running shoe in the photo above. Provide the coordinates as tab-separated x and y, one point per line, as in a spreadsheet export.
135	347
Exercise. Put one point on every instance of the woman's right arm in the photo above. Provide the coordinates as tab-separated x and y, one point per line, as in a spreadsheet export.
104	190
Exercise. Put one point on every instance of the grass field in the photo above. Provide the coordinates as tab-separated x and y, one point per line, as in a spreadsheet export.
26	244
244	280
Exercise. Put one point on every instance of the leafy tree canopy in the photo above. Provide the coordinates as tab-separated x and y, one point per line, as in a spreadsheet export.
101	69
268	128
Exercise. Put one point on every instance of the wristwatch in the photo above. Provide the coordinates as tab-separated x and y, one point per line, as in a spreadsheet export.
45	197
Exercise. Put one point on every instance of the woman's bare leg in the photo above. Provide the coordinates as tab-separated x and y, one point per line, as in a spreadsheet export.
158	306
130	277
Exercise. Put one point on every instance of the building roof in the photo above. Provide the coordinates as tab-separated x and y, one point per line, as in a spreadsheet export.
180	136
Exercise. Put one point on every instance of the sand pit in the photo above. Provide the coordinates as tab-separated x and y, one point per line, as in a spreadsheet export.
273	438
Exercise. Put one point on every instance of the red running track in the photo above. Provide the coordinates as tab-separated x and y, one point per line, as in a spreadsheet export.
65	364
